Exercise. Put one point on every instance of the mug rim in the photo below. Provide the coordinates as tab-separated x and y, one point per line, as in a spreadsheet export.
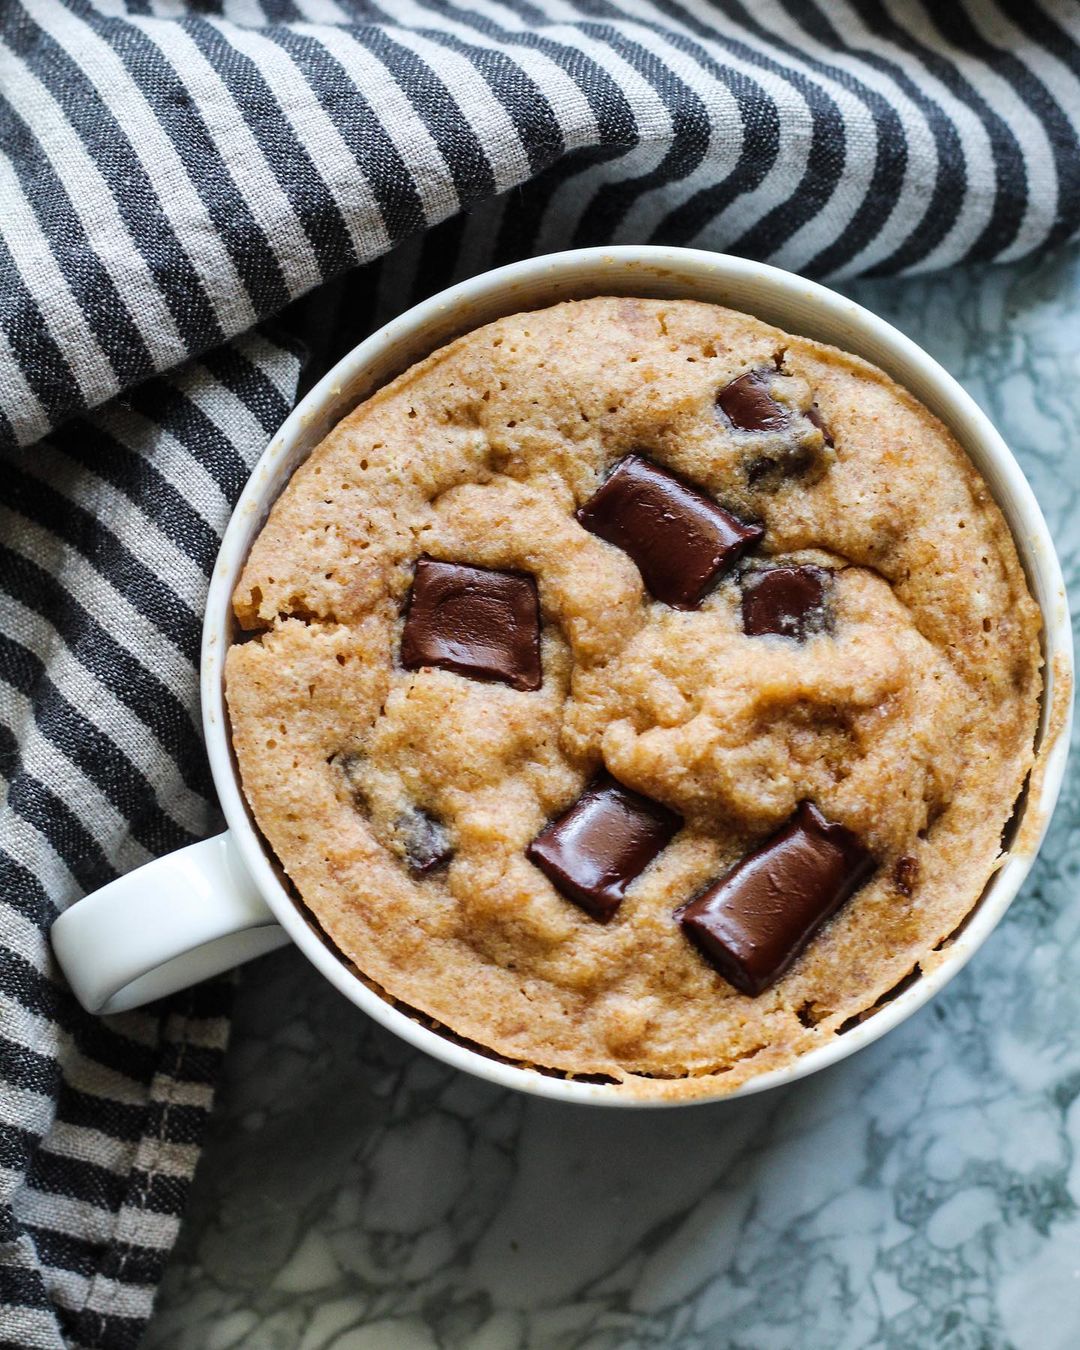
584	270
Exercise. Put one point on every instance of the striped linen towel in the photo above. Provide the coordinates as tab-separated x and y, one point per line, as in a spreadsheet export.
172	176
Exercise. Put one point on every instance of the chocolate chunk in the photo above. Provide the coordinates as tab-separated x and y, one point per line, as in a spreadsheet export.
754	921
906	873
679	538
424	840
814	414
475	622
606	839
748	404
786	601
767	471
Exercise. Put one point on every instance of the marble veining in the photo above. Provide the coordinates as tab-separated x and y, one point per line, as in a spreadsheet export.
357	1195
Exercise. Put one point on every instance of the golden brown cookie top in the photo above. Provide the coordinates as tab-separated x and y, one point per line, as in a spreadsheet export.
733	569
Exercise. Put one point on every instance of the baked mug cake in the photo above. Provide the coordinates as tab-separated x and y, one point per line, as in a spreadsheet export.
636	691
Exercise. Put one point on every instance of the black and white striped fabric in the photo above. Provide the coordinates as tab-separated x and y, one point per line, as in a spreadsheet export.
175	175
108	530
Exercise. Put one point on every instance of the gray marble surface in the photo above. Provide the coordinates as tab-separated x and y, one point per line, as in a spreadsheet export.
926	1193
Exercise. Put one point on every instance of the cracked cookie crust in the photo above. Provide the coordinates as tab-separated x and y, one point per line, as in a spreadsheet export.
874	651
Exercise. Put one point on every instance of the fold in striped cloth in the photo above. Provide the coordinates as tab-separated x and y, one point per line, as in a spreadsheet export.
172	177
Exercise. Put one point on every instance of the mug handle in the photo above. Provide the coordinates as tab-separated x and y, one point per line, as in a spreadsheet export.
167	925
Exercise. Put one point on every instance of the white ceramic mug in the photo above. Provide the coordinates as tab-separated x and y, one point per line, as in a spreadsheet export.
215	904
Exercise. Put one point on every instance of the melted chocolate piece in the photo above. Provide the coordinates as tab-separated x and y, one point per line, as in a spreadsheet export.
679	538
906	874
473	621
606	839
748	404
424	840
785	601
814	414
754	921
767	471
